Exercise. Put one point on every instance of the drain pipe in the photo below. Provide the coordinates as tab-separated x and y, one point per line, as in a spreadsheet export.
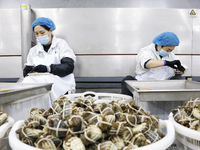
26	33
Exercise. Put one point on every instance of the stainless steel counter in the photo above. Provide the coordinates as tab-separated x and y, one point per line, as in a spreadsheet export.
167	90
17	91
160	97
18	98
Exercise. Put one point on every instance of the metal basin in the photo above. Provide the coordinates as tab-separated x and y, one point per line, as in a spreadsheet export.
15	91
167	90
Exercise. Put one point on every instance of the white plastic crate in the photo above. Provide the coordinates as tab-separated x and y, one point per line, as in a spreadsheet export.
3	129
99	96
186	139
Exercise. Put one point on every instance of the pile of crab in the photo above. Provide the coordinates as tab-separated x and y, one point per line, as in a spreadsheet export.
3	117
90	124
189	114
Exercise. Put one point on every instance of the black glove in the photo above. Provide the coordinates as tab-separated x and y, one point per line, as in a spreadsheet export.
173	64
39	68
181	68
27	69
176	64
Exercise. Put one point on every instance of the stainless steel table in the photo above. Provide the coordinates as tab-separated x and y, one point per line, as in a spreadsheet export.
18	98
160	97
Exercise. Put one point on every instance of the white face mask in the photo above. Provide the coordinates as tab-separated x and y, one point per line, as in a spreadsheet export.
43	39
163	53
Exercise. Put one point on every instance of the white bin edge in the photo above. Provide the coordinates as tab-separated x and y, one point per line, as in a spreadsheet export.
165	142
14	141
6	126
184	130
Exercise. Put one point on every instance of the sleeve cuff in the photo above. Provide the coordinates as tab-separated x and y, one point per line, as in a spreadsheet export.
47	68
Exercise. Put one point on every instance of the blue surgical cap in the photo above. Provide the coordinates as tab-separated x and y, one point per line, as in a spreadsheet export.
44	21
166	39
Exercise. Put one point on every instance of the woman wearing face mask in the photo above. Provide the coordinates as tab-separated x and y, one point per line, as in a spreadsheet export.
157	61
51	58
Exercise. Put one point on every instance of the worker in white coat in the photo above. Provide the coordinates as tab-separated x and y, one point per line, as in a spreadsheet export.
51	60
157	61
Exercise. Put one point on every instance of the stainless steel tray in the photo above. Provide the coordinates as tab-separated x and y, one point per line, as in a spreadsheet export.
15	91
164	90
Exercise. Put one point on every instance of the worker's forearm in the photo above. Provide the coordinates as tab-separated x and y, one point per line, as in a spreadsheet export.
154	64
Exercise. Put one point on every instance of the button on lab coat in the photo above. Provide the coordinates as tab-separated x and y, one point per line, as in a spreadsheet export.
159	73
58	50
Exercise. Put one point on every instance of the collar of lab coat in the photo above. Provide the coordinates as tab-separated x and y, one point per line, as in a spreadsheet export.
53	44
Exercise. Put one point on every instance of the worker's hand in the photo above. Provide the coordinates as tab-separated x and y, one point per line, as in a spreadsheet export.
39	68
181	68
176	64
173	64
27	69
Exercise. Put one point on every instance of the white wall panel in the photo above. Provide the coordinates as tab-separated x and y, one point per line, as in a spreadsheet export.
10	32
196	33
187	60
105	66
102	3
195	65
11	67
118	30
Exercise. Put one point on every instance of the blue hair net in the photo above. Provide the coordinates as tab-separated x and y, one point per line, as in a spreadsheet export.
44	21
166	39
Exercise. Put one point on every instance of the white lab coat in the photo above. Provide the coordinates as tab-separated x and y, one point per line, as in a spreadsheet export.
159	73
58	50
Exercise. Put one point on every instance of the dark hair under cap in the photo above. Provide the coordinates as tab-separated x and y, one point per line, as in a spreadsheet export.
47	28
43	21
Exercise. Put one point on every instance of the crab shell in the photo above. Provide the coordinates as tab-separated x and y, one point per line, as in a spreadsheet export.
76	123
139	139
55	108
77	111
67	109
3	118
73	143
105	122
91	134
131	120
48	141
45	143
40	119
127	134
117	128
196	113
28	135
99	107
116	107
130	146
31	132
143	127
107	111
41	111
118	141
152	136
58	128
195	125
28	141
107	145
90	117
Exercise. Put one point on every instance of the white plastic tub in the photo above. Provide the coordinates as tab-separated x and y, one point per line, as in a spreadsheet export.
3	129
186	139
162	144
99	96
